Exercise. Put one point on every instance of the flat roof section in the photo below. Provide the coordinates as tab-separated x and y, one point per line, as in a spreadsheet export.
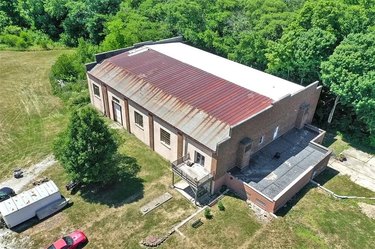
270	175
244	76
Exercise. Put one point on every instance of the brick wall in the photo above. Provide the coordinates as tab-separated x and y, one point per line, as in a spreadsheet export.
282	114
247	192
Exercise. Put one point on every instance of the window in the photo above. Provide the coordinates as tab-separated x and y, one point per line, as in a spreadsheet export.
165	137
248	147
261	203
275	133
261	139
115	100
199	158
138	119
96	90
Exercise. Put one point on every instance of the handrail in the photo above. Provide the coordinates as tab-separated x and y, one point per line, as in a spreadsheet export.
193	181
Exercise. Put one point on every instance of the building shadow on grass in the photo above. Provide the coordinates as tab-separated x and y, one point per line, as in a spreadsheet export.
322	179
326	176
294	200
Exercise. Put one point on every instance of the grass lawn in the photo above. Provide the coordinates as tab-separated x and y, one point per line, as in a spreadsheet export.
335	143
111	218
317	220
30	116
230	228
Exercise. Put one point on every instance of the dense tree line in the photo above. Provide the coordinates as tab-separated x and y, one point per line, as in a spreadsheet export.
331	41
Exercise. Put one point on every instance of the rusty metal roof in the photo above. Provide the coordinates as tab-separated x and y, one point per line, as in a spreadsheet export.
198	103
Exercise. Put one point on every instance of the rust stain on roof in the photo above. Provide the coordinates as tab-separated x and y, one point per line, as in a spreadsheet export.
198	103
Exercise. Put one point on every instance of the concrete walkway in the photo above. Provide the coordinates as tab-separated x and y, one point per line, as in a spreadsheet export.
359	166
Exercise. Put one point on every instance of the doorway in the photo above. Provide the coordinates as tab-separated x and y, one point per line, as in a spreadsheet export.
117	112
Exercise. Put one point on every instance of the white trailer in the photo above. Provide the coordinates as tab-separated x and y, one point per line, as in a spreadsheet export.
25	205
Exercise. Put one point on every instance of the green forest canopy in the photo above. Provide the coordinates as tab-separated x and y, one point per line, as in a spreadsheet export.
300	40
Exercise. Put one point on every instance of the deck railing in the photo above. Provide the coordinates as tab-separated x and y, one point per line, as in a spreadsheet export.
176	167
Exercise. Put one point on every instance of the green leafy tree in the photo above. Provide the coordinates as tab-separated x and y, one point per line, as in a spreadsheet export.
297	56
88	150
350	74
66	71
266	22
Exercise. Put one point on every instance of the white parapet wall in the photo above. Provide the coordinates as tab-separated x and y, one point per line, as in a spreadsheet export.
24	206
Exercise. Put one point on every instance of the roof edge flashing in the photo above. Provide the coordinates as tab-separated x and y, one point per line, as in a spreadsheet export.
308	86
105	55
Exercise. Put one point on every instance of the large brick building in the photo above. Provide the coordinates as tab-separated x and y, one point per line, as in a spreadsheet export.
218	122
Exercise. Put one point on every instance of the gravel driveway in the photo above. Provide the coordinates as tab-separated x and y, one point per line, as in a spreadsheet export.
7	239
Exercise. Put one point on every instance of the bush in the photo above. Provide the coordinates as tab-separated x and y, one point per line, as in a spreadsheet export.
88	150
78	99
66	71
220	205
208	214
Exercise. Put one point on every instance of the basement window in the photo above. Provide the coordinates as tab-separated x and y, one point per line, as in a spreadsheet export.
96	90
165	137
138	119
260	203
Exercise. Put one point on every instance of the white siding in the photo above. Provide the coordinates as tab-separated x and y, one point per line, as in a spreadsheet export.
192	146
96	101
121	103
168	152
142	133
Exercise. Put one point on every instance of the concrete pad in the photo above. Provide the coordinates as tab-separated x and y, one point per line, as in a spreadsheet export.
360	167
155	203
185	190
360	155
356	175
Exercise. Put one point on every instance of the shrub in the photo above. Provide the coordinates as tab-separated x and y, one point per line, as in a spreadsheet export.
66	71
88	150
220	205
208	214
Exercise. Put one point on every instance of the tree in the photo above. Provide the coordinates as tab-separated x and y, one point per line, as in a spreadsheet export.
298	54
88	150
350	74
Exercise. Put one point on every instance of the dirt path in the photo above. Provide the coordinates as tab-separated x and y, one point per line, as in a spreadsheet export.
29	175
359	166
7	238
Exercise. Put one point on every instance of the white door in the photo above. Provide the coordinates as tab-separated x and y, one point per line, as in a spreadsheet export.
117	113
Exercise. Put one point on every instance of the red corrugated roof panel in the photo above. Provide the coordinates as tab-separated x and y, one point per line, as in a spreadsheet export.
219	98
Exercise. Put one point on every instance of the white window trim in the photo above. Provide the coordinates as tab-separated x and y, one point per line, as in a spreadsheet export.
136	124
93	90
276	132
261	140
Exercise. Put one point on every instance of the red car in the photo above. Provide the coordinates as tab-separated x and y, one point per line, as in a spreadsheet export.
75	240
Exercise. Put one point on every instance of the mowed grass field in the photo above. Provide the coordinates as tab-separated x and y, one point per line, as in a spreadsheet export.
111	217
30	116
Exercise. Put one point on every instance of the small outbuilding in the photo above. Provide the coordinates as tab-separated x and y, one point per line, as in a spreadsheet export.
25	205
